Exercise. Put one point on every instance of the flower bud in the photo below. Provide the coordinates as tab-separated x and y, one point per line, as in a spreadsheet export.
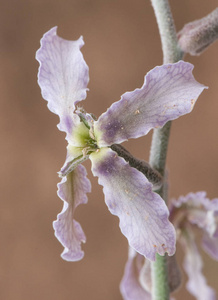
196	36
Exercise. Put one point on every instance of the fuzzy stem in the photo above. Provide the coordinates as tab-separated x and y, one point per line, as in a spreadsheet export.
142	166
171	54
196	36
171	51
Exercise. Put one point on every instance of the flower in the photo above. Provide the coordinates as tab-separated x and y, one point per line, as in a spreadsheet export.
168	92
195	37
192	210
196	210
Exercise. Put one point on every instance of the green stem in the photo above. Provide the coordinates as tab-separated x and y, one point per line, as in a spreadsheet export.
159	147
171	54
171	51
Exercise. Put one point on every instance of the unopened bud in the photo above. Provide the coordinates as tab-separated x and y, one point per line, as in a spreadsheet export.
196	36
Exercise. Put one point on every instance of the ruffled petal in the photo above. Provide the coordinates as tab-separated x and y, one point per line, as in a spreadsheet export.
196	284
72	190
130	286
194	207
63	76
201	211
143	214
169	91
195	200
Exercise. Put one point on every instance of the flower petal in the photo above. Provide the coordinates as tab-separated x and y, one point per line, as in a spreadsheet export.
130	286
143	214
196	200
63	75
72	190
169	91
210	246
196	284
200	211
194	207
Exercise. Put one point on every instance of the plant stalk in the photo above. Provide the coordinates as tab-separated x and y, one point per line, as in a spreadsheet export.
158	153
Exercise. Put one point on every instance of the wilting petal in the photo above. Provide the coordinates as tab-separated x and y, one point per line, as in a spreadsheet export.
143	214
63	75
72	190
196	284
169	91
130	286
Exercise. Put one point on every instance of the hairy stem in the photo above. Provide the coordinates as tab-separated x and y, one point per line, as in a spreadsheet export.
196	36
171	54
142	166
171	50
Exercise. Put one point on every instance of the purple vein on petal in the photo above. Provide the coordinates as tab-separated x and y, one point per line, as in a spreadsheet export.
143	214
169	91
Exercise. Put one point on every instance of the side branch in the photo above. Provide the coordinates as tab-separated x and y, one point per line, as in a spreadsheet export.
142	166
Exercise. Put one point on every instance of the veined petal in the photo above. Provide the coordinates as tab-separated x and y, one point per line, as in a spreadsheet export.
63	76
196	284
130	286
143	214
72	190
169	91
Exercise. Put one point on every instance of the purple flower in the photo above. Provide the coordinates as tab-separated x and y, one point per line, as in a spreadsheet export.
196	210
189	211
168	92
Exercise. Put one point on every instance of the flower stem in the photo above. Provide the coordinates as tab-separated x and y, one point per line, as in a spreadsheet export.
171	54
171	51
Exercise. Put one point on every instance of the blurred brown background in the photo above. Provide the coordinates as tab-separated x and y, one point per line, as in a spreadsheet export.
122	45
